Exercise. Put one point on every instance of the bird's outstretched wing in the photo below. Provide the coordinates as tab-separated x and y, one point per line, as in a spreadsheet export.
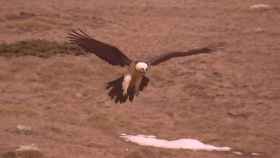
107	52
166	56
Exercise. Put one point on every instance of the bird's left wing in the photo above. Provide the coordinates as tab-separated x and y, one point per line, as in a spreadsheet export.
166	56
107	52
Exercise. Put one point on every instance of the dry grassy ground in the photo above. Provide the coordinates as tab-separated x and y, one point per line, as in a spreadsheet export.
230	98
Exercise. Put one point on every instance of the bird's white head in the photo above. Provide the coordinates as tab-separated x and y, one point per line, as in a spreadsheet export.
141	67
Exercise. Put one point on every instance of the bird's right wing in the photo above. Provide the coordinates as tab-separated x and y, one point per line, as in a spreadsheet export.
166	56
107	52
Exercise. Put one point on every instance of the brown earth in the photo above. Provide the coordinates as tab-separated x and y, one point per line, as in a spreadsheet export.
230	98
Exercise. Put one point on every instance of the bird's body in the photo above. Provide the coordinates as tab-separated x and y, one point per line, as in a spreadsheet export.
134	80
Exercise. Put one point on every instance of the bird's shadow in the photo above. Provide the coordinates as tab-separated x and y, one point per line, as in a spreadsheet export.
116	93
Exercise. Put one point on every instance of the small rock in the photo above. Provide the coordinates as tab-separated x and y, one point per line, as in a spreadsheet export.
239	113
255	154
79	95
24	151
26	130
237	153
26	14
258	30
260	7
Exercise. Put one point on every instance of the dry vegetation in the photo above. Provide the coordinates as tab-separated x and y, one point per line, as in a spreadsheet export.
39	48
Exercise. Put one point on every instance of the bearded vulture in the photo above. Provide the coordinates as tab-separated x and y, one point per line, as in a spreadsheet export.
134	80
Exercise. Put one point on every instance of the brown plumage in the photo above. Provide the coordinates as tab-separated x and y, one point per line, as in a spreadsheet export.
104	51
166	56
134	80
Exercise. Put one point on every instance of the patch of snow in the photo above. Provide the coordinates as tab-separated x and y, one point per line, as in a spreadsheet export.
27	147
191	144
260	7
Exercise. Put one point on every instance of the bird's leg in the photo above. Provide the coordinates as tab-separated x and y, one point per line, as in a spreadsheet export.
126	83
137	85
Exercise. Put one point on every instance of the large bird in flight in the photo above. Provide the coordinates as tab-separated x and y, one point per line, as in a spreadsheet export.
134	80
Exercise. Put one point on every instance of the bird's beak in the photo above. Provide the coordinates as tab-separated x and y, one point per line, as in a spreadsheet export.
144	70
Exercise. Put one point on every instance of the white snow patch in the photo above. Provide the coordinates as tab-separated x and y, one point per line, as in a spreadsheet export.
260	7
28	147
191	144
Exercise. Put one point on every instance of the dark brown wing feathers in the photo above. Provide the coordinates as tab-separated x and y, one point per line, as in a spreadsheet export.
104	51
116	92
164	57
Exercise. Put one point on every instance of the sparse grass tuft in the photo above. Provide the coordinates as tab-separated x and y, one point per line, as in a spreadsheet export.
39	48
